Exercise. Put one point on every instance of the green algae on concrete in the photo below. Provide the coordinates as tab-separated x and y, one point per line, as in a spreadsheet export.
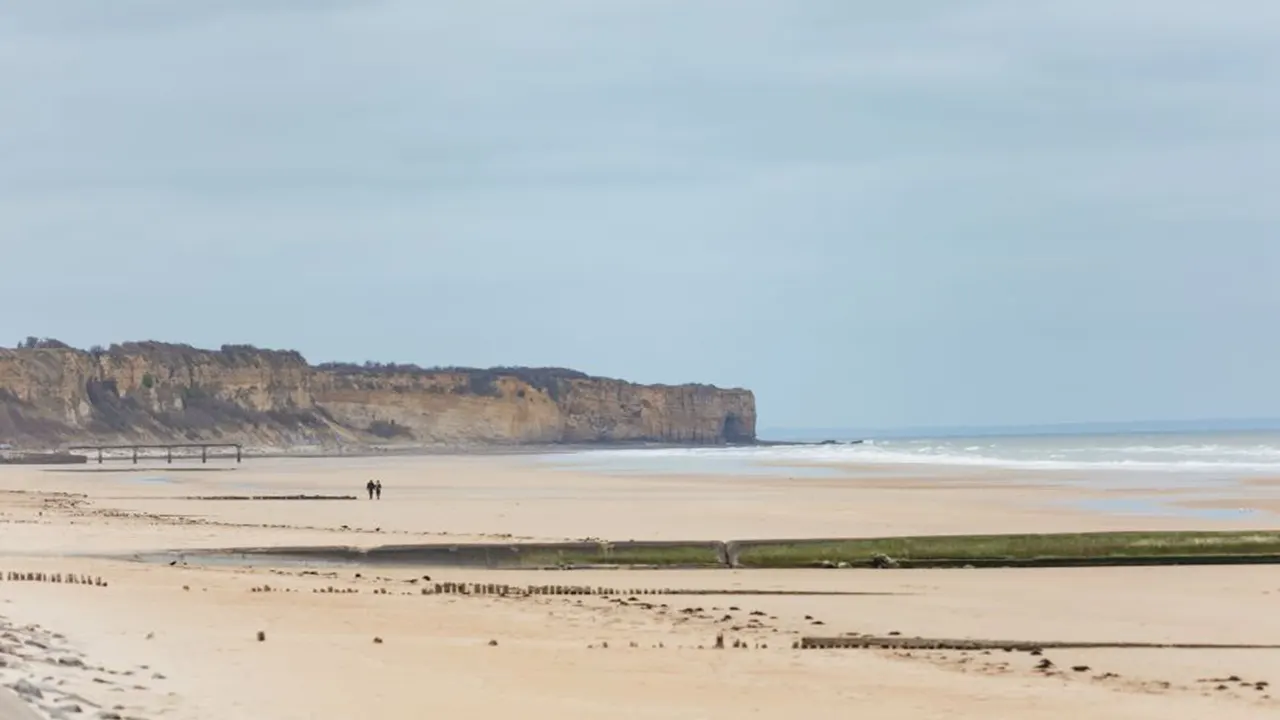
1023	549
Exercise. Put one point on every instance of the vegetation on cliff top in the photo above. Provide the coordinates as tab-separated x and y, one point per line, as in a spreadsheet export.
481	380
34	343
165	352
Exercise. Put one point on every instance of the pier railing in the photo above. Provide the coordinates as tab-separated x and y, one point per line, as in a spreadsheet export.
168	448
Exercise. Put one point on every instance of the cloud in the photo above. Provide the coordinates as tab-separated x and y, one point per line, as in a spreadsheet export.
865	190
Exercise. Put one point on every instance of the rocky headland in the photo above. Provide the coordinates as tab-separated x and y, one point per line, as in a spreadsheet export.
52	395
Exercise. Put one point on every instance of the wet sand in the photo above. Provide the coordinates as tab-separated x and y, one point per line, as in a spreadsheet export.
181	641
1268	505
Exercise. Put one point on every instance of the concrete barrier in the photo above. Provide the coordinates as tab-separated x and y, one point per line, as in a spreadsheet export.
316	553
924	643
800	552
484	555
487	555
531	555
863	557
735	548
668	553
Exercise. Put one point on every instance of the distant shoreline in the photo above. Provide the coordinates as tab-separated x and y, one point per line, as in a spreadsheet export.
949	432
47	457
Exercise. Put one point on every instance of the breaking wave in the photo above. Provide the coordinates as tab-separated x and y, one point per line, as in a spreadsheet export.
1244	454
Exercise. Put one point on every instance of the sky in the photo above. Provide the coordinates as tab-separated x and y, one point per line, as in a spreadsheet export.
917	213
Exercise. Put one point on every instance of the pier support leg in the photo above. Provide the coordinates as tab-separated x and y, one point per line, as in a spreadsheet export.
99	456
135	456
204	453
237	454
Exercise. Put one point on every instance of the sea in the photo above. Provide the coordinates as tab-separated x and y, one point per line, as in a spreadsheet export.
1200	465
1195	454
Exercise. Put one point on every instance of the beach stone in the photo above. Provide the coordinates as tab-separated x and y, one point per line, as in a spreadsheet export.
262	636
28	690
70	662
882	561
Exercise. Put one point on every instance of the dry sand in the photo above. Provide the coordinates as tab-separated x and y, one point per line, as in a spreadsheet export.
180	641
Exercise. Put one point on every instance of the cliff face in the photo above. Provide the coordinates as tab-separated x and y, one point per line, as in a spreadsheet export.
157	392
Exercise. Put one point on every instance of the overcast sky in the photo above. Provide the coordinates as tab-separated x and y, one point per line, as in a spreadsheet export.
872	214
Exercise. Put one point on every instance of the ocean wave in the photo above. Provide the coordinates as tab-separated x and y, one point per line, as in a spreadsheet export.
1211	450
1022	455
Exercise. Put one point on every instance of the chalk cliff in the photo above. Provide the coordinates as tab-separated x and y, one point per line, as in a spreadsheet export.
159	392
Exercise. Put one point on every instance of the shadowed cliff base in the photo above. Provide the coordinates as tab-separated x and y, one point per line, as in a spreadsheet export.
961	551
52	395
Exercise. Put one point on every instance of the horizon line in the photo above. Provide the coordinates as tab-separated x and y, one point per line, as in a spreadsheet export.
1202	424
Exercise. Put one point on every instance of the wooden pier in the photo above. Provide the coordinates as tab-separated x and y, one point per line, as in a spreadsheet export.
168	448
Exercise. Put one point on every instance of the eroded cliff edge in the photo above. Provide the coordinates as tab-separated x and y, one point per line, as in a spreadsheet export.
158	392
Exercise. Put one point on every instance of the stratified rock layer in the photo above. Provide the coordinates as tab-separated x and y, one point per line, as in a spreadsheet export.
158	392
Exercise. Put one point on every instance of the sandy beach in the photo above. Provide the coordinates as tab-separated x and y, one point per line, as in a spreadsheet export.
181	641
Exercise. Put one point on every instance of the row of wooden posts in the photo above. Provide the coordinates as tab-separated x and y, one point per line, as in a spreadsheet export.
204	450
68	579
503	590
454	588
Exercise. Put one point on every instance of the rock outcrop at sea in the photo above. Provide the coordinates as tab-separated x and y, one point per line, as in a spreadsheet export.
52	395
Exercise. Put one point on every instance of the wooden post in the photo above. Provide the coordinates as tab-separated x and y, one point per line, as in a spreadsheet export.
169	454
135	454
99	456
237	454
204	453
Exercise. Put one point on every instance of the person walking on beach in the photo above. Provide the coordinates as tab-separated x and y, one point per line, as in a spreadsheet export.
370	487
377	487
